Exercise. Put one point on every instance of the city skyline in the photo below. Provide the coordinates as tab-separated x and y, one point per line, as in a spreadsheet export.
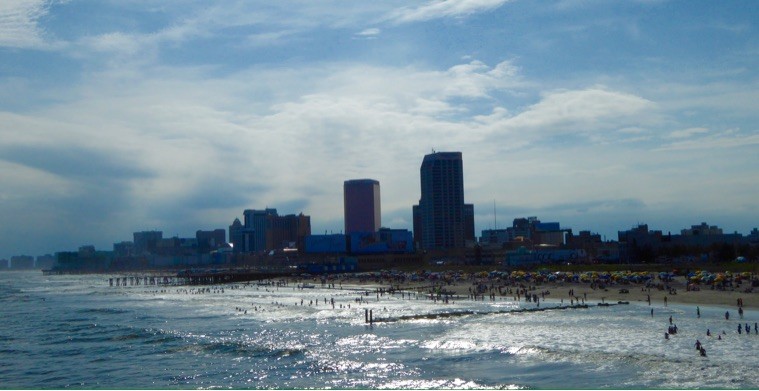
123	117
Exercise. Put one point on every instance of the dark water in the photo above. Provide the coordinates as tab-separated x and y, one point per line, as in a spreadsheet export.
78	332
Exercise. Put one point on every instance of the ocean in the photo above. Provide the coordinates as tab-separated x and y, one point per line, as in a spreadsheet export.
78	332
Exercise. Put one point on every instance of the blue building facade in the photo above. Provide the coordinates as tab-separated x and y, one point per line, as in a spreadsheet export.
326	244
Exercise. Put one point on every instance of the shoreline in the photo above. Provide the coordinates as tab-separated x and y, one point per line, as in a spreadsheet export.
675	291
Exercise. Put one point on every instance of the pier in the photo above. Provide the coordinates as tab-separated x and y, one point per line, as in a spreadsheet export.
195	278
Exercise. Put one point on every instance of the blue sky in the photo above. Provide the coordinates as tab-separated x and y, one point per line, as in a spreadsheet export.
122	116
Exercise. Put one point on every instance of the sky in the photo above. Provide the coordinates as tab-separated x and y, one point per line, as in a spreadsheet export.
119	116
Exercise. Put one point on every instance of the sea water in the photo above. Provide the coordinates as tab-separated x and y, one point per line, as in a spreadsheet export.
80	332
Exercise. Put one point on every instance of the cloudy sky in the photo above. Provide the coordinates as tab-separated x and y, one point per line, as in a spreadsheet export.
121	116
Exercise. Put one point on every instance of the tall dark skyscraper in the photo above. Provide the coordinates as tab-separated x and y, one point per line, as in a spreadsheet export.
255	228
236	236
362	205
442	220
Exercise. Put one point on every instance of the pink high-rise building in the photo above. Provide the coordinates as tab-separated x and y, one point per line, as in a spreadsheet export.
362	205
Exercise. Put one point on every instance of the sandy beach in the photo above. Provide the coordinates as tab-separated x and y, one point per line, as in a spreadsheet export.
638	293
671	292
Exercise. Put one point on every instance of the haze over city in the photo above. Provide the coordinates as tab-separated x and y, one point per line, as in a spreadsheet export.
117	117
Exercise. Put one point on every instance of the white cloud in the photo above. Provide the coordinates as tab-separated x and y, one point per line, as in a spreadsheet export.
580	108
142	47
115	42
727	139
269	38
370	32
596	113
435	9
18	23
686	133
475	79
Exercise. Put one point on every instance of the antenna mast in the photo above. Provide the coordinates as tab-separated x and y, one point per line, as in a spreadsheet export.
495	221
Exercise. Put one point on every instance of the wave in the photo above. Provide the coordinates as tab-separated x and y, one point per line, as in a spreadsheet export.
97	333
102	311
11	352
235	348
458	384
8	293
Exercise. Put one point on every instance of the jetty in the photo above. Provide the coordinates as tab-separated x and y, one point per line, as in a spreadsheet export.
369	318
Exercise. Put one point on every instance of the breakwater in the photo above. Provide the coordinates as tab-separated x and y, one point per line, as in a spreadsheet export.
369	318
